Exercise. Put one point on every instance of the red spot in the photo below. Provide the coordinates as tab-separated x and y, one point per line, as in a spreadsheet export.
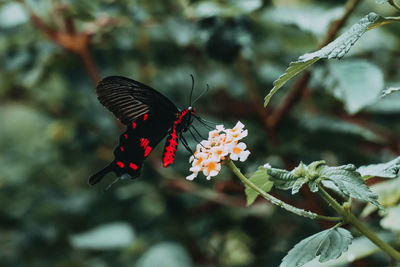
144	142
120	164
126	136
133	125
133	166
145	116
147	151
121	148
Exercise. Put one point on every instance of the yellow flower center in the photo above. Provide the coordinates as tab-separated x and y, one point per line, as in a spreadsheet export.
211	166
198	161
236	150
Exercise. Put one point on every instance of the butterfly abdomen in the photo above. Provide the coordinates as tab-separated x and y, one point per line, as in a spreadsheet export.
171	145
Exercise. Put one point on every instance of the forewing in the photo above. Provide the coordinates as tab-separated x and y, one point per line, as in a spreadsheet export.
129	99
135	144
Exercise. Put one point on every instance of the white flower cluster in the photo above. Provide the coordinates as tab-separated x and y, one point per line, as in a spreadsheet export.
221	143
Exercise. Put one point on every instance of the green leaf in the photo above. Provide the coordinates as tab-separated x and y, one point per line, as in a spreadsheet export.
294	68
165	254
392	219
360	248
324	123
261	179
108	236
350	183
313	19
386	105
329	244
336	49
388	192
282	179
298	184
357	83
389	169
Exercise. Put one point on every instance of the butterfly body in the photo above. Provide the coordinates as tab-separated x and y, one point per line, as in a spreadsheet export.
149	117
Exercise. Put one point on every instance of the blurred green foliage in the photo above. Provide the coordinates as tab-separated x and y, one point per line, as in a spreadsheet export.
54	133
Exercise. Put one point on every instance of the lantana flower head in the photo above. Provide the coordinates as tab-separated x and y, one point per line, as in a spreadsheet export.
221	144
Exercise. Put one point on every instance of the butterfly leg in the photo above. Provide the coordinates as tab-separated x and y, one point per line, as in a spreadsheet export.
185	143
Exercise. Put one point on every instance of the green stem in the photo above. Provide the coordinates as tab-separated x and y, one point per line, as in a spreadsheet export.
276	201
350	218
394	4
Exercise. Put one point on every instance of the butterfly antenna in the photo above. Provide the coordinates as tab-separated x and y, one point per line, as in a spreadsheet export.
208	127
186	145
194	137
202	93
198	133
191	91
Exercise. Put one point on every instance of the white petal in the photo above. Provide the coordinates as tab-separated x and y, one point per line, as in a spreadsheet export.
244	155
267	166
192	176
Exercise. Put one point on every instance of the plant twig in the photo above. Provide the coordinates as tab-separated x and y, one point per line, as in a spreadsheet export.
276	201
350	218
70	40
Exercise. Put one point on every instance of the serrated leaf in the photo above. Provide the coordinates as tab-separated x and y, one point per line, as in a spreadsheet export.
261	179
282	179
357	83
389	169
350	183
313	185
329	244
293	69
331	185
388	192
360	248
298	184
336	49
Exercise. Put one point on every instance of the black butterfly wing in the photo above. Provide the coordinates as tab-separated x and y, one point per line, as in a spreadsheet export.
148	116
129	99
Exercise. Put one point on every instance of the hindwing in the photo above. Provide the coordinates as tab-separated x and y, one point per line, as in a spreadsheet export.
135	144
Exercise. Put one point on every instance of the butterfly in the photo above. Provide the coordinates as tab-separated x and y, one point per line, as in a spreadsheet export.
149	116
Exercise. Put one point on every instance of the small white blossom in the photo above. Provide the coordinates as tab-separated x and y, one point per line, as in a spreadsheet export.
267	166
238	152
221	144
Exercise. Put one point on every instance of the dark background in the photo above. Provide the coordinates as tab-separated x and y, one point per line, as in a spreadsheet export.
54	133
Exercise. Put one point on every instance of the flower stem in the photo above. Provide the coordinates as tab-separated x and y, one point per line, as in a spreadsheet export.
350	218
276	201
393	3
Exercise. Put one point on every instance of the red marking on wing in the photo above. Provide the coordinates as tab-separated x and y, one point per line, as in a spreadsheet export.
170	149
145	116
144	142
147	151
133	125
121	148
120	164
126	136
133	166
